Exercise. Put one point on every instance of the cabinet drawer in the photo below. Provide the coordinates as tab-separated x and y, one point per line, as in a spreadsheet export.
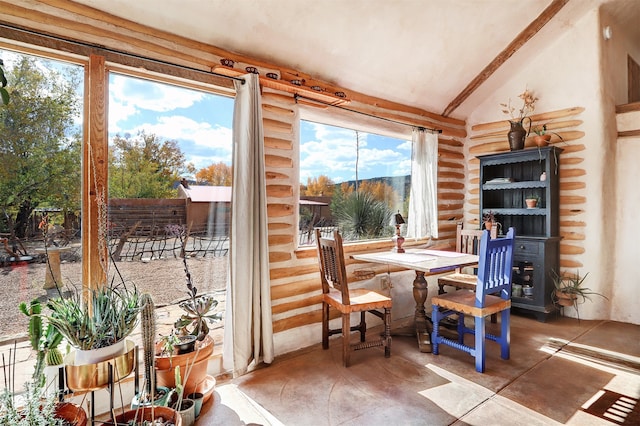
526	248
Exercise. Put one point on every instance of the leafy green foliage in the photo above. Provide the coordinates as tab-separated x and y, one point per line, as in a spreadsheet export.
360	216
40	152
145	167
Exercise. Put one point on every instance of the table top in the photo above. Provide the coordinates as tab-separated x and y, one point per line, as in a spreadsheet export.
424	260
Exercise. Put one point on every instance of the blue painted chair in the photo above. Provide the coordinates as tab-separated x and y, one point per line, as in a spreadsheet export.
491	296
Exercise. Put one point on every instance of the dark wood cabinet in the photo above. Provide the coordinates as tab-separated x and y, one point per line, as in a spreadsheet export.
506	180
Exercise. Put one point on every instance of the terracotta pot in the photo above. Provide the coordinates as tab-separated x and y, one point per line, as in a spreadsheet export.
531	203
71	413
565	299
488	225
165	367
541	140
147	413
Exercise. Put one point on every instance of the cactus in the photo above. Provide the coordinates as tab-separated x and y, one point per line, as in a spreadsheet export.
148	319
44	341
54	357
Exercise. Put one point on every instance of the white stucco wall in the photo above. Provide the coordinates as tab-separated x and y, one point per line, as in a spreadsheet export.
626	291
566	72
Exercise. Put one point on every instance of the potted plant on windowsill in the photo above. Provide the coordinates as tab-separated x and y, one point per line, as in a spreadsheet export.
31	409
570	291
45	341
192	324
37	406
96	323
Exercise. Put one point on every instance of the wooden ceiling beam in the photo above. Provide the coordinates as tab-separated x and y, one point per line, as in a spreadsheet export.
532	29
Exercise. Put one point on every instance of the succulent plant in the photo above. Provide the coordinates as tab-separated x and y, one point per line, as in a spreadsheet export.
43	340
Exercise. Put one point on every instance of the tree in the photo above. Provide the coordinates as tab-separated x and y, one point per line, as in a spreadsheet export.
218	174
40	150
322	185
144	166
380	191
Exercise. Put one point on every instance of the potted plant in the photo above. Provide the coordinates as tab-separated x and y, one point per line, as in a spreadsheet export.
95	321
151	394
570	291
191	325
32	409
531	201
35	406
98	328
543	136
147	415
177	401
488	219
45	342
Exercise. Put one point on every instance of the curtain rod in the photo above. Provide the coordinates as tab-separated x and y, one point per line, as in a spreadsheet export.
296	96
118	52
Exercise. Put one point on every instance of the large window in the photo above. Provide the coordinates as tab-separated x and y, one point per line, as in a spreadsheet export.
351	180
169	164
169	170
40	182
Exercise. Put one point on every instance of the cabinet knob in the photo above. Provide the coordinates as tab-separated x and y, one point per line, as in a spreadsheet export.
521	247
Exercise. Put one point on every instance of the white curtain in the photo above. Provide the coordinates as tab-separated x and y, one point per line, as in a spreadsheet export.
248	333
423	204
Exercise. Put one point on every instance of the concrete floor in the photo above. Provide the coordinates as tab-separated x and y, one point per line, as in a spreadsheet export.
560	372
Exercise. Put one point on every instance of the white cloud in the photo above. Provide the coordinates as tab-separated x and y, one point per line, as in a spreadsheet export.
332	152
152	96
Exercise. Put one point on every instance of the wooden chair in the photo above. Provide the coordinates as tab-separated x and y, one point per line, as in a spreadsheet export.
467	241
336	294
492	295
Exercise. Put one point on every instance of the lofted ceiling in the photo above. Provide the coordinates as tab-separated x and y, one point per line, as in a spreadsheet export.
421	53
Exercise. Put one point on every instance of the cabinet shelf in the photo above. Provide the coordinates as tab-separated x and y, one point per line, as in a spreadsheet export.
514	185
538	211
506	180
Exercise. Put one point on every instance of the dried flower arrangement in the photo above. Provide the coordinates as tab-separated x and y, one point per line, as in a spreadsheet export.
527	108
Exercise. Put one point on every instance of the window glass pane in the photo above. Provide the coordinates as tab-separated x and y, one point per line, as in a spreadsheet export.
351	180
169	170
40	156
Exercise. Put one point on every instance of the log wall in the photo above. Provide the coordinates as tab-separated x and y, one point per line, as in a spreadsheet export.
147	51
295	285
489	138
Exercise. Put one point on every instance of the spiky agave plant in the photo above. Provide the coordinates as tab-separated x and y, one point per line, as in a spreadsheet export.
361	216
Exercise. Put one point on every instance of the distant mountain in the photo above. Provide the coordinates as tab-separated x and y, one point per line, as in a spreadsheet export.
401	184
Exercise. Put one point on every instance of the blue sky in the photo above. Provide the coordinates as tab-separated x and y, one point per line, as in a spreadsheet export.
202	124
